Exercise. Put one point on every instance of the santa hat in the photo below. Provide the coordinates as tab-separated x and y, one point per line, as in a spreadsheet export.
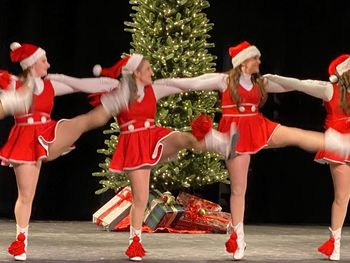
339	65
25	54
126	65
242	52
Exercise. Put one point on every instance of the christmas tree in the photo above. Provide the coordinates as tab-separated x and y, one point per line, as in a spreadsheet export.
173	35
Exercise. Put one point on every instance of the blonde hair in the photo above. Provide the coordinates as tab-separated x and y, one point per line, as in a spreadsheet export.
233	82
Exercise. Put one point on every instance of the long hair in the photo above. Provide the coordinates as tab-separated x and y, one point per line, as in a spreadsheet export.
344	86
129	80
233	82
24	75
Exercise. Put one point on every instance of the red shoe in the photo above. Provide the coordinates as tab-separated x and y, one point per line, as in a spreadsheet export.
135	251
18	247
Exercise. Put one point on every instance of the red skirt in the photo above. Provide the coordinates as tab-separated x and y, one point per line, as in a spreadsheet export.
325	157
29	143
138	149
322	156
254	131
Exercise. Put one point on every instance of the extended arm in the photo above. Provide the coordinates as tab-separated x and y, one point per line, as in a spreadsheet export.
274	87
66	85
209	81
319	89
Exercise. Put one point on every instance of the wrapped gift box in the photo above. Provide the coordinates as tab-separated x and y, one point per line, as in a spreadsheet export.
162	211
185	199
212	222
114	210
201	214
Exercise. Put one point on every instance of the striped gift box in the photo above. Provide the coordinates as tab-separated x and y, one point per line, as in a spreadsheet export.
160	214
114	210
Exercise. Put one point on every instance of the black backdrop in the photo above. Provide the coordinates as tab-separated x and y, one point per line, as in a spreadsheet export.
296	38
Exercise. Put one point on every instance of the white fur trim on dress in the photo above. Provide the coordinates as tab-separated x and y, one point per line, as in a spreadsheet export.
157	149
45	144
249	52
27	62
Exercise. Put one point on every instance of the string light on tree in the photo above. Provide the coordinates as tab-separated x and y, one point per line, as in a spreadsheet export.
173	36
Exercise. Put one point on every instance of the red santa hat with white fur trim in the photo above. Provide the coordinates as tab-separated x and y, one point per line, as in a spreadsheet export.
242	52
126	65
25	54
338	67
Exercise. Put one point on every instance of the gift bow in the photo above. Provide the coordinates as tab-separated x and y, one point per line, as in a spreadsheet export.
124	196
166	198
192	210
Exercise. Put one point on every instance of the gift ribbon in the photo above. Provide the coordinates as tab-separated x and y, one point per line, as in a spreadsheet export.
160	200
216	217
173	216
123	197
192	211
186	198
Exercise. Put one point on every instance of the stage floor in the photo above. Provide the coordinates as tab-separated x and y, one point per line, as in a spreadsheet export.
56	241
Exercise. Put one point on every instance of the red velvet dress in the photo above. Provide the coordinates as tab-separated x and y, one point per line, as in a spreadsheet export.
254	129
29	137
338	120
140	141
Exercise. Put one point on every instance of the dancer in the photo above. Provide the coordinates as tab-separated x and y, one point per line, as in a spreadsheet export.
142	144
35	137
243	90
335	95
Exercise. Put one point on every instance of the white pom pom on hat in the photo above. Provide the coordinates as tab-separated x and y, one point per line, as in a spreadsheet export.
126	65
333	78
15	45
97	69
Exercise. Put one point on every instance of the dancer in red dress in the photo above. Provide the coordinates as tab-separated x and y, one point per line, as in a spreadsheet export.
336	97
142	144
243	90
35	137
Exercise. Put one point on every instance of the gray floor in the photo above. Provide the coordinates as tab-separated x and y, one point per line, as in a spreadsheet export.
84	242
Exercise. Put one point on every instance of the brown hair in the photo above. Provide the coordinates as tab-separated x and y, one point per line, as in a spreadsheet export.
344	86
24	75
129	81
233	81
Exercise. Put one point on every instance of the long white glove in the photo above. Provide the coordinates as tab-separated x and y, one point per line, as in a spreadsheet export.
316	88
87	85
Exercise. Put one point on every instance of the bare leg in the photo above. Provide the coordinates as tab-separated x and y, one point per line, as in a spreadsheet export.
178	141
27	176
140	189
69	131
341	181
288	136
238	170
